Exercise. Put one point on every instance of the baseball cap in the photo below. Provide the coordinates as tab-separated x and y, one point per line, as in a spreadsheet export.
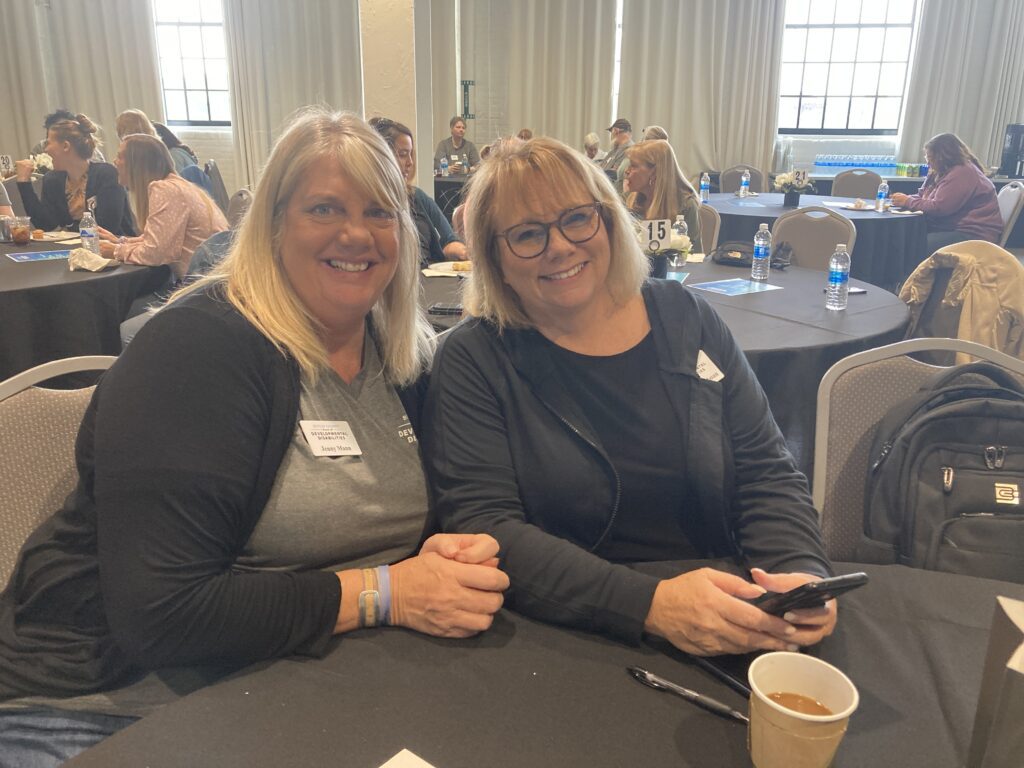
622	124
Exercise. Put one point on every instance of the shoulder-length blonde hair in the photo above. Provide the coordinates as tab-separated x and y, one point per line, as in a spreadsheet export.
671	187
146	160
511	172
133	121
256	283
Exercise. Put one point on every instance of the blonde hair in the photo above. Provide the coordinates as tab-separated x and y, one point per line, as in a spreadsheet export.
671	187
256	283
133	121
512	169
145	159
591	140
653	132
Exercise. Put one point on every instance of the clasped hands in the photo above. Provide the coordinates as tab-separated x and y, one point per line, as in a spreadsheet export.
705	612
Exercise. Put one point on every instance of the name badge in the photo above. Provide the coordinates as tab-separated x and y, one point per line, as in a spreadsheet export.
330	438
706	369
455	158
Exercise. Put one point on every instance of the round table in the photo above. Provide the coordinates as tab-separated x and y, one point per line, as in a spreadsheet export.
888	246
48	312
787	335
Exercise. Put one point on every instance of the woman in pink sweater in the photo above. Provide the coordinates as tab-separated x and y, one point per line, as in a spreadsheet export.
174	215
958	200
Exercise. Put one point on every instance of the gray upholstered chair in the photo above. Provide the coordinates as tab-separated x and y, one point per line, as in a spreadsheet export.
1011	200
38	428
11	185
856	182
710	226
237	206
853	397
219	192
813	233
729	179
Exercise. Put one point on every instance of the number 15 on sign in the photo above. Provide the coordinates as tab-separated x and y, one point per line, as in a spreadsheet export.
656	234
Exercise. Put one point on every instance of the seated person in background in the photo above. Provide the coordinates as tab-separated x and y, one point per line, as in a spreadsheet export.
437	240
207	531
958	201
75	182
133	121
525	134
567	419
454	147
657	189
654	132
6	209
181	153
174	215
592	147
57	116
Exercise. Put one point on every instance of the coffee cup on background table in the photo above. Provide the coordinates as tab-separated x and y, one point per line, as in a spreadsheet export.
799	710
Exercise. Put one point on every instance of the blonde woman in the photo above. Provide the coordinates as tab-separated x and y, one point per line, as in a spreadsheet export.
657	189
133	121
216	519
174	215
570	419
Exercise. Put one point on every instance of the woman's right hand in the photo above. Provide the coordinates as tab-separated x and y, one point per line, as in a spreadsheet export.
23	170
438	596
704	612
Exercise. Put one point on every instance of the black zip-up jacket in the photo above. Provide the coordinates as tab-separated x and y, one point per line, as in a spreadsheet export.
112	210
510	454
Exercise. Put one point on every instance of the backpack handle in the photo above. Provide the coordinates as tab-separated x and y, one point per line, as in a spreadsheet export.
995	373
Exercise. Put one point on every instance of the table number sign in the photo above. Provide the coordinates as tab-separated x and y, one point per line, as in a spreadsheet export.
6	165
655	234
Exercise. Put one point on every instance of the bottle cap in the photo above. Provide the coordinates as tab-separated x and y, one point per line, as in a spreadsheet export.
762	228
840	246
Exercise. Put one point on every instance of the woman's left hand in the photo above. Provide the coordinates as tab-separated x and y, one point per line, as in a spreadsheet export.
107	249
812	624
898	198
472	548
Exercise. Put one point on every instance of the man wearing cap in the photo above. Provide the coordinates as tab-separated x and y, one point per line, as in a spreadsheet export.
622	138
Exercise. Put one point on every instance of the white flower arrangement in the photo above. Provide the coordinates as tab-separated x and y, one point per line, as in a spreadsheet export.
43	162
794	181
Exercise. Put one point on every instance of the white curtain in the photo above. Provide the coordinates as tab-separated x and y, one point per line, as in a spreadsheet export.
967	77
444	80
539	64
283	56
97	57
707	72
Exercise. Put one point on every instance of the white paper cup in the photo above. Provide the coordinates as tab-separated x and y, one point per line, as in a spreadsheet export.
779	737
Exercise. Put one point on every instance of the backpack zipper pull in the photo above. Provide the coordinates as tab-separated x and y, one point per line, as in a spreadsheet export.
994	456
1000	456
886	447
947	479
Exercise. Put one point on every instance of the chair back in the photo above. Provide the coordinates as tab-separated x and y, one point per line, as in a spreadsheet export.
853	398
1011	200
237	206
220	192
710	226
729	179
856	182
813	233
38	428
11	185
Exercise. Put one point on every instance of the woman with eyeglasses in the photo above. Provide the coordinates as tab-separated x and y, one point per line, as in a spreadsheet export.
437	240
587	417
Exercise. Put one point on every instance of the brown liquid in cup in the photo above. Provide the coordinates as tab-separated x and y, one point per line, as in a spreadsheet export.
21	234
805	705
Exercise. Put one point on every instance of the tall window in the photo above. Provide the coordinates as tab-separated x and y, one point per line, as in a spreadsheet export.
193	61
844	65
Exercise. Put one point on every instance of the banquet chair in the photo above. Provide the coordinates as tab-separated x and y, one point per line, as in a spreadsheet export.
729	179
813	233
11	185
38	428
710	226
220	192
237	206
853	397
856	182
1011	200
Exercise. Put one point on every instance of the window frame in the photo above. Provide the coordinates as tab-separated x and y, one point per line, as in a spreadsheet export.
157	24
911	26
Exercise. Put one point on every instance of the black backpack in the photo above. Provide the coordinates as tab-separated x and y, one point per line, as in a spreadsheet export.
945	477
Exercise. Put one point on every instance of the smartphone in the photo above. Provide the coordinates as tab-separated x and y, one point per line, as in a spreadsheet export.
810	595
444	308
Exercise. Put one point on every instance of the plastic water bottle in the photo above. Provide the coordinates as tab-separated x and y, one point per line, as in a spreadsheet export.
87	229
838	279
745	183
762	254
680	227
465	163
705	187
444	166
883	192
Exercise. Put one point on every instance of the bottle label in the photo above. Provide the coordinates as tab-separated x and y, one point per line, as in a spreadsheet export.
838	276
760	251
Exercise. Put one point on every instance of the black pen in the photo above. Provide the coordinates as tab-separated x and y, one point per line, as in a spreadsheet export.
721	674
702	701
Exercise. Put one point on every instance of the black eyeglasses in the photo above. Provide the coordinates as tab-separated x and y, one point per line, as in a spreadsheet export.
577	225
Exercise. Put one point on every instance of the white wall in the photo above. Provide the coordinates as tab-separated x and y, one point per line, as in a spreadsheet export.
216	144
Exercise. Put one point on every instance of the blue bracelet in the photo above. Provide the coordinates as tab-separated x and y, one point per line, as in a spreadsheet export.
384	588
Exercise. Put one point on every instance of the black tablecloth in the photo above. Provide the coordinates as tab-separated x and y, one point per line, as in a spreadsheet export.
887	249
788	336
529	694
48	312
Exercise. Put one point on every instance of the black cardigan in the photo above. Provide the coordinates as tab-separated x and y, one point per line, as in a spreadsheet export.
510	454
112	210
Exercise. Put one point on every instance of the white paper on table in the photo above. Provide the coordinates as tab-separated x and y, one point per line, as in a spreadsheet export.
428	272
695	258
406	759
